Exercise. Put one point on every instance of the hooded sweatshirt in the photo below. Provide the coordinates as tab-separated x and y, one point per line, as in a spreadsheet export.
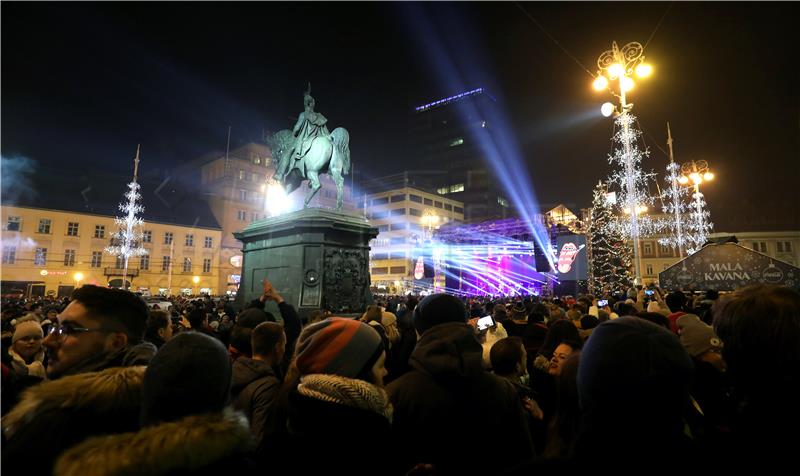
449	403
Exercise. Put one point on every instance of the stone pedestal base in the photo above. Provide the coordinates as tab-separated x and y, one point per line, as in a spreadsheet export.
315	258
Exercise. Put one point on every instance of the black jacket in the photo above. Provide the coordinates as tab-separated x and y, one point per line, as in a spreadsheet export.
450	407
254	391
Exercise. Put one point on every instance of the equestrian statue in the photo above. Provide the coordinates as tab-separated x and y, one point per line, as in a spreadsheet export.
309	150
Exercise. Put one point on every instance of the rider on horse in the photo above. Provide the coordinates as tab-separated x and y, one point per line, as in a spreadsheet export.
309	126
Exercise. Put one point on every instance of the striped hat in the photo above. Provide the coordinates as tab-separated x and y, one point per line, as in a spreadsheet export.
338	346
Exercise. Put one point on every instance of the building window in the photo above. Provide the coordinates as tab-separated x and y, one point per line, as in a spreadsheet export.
380	201
254	218
241	215
383	227
398	198
437	204
415	198
459	187
398	212
383	270
165	262
120	262
72	228
458	209
243	195
40	257
441	190
187	265
448	207
649	269
99	231
665	250
189	240
44	225
428	201
398	241
208	242
207	265
414	212
398	255
760	246
415	226
456	142
397	226
69	257
784	247
168	238
256	177
397	270
380	215
380	256
14	224
242	174
647	248
9	254
144	262
97	259
147	236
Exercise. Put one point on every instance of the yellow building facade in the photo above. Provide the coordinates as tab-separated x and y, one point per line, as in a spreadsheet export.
51	252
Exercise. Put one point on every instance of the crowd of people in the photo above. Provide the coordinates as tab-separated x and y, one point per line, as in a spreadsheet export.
98	383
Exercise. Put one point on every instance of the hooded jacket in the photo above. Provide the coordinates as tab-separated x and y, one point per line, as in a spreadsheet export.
56	415
212	443
254	392
448	404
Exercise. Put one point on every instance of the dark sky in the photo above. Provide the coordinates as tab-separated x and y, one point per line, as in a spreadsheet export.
82	84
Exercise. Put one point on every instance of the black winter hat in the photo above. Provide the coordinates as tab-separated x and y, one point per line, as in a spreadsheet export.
438	309
252	317
190	375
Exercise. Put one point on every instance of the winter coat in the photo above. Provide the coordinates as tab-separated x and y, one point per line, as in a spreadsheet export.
56	415
449	404
212	444
254	392
329	437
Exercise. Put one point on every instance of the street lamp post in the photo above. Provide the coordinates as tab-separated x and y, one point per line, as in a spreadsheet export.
196	280
620	64
78	278
697	172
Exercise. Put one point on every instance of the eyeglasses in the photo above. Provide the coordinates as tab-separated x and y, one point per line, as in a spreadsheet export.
61	331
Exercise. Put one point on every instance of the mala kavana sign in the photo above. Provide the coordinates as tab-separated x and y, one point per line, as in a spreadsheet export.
726	267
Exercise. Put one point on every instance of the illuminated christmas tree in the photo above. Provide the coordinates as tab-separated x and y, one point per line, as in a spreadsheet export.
608	253
127	240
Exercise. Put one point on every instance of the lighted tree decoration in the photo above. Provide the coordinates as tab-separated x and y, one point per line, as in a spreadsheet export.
608	255
675	208
127	240
699	222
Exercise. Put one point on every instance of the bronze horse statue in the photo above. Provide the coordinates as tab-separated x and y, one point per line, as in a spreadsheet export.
327	154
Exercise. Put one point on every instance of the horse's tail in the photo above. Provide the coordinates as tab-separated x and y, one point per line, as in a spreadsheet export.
341	142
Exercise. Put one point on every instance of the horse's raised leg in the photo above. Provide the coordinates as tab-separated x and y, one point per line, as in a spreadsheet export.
313	182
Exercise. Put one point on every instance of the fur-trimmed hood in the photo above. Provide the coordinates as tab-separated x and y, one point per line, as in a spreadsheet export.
102	393
187	445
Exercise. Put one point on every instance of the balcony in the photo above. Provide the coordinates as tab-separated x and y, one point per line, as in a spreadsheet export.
132	272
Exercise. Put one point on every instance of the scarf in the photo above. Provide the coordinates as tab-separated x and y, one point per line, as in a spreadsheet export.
346	391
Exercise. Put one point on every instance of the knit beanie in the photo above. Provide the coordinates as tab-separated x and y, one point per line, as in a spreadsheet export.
27	329
252	317
438	309
697	336
190	375
338	346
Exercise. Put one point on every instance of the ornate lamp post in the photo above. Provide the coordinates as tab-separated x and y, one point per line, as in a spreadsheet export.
697	172
616	67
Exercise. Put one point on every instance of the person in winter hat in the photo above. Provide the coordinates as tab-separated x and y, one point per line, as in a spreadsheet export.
633	385
26	349
187	425
700	340
438	309
336	396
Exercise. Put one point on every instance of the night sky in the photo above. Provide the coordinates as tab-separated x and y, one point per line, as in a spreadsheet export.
82	84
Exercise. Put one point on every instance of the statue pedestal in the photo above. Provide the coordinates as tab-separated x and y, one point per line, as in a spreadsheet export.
315	258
